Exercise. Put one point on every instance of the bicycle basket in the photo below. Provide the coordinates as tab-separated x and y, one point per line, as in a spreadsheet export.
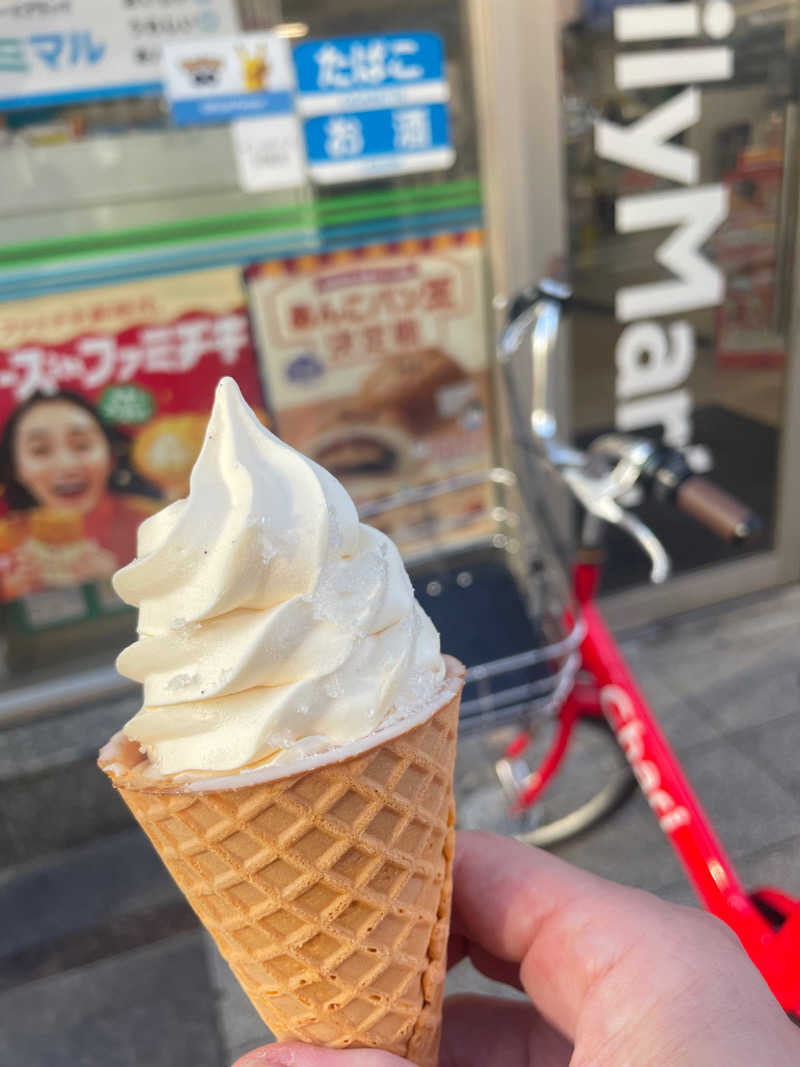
497	595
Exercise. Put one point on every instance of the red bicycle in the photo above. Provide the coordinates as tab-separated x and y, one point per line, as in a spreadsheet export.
559	665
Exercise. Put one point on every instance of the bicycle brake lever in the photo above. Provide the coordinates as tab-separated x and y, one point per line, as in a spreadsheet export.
595	494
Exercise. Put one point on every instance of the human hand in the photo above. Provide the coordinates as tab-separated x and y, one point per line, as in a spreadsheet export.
94	562
616	977
23	577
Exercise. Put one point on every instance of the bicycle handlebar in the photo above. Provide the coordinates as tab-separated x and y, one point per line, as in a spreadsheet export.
666	472
533	328
717	510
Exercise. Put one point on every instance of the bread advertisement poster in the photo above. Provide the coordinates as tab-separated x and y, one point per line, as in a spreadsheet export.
375	361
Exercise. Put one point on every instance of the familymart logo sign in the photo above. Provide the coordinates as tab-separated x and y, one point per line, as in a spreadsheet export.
654	359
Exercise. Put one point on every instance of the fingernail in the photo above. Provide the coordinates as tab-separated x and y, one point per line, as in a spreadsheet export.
276	1055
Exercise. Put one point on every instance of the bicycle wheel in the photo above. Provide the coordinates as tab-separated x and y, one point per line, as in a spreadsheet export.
593	782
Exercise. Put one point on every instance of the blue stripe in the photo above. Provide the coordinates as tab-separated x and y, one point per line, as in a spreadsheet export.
107	270
74	96
222	108
398	229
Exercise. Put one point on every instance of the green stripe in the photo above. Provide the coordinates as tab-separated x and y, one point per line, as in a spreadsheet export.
328	212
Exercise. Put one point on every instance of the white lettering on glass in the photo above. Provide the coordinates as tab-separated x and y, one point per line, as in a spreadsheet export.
697	213
654	359
650	358
644	145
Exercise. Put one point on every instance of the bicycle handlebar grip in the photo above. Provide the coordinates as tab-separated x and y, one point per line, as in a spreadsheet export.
717	510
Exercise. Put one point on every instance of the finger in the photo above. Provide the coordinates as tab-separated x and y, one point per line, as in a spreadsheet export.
293	1055
477	1031
565	928
505	971
460	948
531	911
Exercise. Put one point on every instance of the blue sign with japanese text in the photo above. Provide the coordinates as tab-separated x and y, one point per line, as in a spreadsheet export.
54	52
363	64
374	106
371	144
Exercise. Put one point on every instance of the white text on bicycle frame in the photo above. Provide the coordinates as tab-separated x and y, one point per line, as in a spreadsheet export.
630	730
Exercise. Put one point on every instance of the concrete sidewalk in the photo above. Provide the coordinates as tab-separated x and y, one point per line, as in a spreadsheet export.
101	961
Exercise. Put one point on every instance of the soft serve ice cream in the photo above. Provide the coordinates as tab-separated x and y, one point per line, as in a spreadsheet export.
272	624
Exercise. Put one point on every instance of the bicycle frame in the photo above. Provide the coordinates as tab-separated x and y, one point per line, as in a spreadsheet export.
773	948
767	921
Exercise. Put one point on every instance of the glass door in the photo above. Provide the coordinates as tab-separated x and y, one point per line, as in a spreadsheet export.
674	179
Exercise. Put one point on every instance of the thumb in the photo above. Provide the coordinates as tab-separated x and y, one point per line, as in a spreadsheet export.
281	1055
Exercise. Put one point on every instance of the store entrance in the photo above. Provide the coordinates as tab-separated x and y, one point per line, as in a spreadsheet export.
681	223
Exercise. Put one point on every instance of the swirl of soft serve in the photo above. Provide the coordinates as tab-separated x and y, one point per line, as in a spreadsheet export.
272	624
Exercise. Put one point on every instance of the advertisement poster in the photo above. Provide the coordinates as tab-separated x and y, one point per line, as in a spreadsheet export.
228	78
746	325
66	51
104	399
376	363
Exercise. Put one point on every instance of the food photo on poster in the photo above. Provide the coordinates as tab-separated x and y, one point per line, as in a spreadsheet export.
104	399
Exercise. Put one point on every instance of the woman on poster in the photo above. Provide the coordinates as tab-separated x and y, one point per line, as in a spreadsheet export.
72	503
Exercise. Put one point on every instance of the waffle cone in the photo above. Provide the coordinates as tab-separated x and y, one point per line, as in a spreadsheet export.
327	892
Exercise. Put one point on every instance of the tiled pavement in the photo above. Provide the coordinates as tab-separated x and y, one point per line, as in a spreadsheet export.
101	962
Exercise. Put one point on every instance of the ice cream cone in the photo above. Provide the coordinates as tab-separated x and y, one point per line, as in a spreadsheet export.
327	891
